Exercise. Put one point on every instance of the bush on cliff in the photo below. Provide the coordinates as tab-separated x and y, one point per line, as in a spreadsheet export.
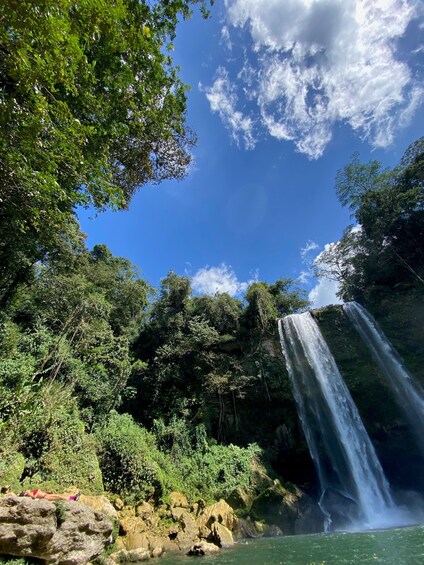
58	453
208	471
131	463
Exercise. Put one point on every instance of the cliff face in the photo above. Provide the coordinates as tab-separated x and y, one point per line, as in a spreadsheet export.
400	317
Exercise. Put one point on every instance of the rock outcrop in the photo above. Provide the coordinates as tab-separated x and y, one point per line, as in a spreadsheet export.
68	533
175	527
203	548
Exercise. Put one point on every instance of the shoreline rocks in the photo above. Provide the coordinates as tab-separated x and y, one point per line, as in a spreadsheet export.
72	533
65	533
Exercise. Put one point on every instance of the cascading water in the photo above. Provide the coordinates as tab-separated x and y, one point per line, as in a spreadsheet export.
407	393
339	444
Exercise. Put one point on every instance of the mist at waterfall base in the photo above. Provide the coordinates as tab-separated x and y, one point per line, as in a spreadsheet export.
355	494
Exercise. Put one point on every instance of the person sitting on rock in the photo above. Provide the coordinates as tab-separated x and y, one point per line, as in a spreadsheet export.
37	493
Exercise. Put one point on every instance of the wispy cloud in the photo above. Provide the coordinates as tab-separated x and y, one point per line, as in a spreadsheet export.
212	280
304	277
223	100
318	63
324	293
307	259
305	251
225	38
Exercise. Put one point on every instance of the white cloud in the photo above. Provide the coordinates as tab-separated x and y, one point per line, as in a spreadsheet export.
324	293
305	251
223	99
225	38
212	280
318	63
305	254
304	277
325	289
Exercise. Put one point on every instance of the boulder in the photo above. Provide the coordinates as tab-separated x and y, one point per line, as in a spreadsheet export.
146	512
101	504
132	524
203	548
65	532
273	531
239	499
138	554
118	504
222	535
276	505
148	541
136	540
189	532
177	512
249	529
156	551
219	512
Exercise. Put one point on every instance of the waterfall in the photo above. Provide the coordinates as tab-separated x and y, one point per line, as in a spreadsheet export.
344	457
408	394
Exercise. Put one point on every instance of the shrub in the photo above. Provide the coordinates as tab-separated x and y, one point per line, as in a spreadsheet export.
207	471
59	454
131	463
12	465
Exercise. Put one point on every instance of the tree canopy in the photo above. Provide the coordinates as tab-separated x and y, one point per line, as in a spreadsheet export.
386	248
91	109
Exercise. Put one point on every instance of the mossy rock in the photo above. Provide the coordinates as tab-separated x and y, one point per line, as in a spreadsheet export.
274	507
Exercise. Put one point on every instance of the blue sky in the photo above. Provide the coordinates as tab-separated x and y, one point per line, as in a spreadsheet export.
282	93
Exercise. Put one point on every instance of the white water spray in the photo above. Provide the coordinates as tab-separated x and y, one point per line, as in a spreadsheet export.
407	393
345	459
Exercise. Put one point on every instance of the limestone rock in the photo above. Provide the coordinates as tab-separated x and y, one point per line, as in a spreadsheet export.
249	529
222	535
203	548
136	540
146	512
178	500
189	532
101	504
275	505
139	554
119	504
273	531
219	512
148	541
157	551
176	513
68	533
239	499
132	524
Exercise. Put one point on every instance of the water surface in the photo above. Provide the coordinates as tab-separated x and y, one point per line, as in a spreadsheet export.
404	546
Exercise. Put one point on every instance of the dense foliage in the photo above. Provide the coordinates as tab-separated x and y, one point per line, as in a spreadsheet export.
385	250
91	109
88	337
206	358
